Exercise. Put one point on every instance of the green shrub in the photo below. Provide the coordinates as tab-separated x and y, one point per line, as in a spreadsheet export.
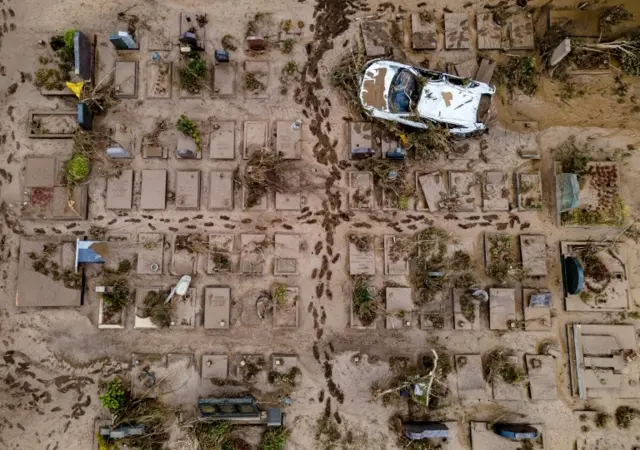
187	127
193	74
68	38
114	397
77	168
274	438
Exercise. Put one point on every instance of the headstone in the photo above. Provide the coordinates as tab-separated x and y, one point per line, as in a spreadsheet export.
222	56
189	39
117	153
485	72
123	41
560	52
256	43
186	154
85	119
83	55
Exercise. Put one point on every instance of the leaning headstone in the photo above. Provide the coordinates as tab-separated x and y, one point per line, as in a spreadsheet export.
83	55
256	43
85	120
117	153
123	41
222	56
560	52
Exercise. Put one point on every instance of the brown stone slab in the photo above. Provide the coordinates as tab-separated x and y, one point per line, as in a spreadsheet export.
40	171
222	144
471	383
188	189
375	34
522	33
287	251
252	259
52	124
260	69
529	191
126	79
535	318
120	190
290	201
623	335
542	377
395	262
489	33
150	253
288	140
221	246
399	307
467	69
461	184
495	192
255	137
184	310
360	136
456	31
361	195
460	322
35	289
154	151
224	80
533	249
217	307
215	367
158	79
285	315
61	207
361	262
153	193
433	188
424	35
485	72
502	308
183	261
502	390
124	137
220	189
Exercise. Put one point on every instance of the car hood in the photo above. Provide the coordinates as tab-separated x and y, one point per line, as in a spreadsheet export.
447	102
374	89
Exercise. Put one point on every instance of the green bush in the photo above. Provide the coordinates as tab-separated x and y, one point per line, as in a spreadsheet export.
114	397
193	74
274	438
77	168
68	38
187	127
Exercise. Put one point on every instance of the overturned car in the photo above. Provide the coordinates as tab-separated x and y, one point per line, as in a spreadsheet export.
414	96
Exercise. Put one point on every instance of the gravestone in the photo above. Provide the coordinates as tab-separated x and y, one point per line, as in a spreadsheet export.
85	118
123	41
83	55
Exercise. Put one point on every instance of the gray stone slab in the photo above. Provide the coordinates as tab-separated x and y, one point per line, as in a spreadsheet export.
183	261
485	71
398	307
255	137
217	307
376	37
84	56
220	189
126	79
502	308
433	188
120	190
424	34
533	249
188	189
361	262
542	377
154	151
187	143
252	259
456	31
222	144
495	192
222	244
286	251
40	171
154	189
288	140
599	344
560	52
150	253
215	367
224	80
522	33
484	438
471	383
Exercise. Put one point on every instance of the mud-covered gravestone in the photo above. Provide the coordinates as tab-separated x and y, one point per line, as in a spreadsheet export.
360	136
522	33
362	258
188	189
536	306
41	171
495	192
462	185
288	139
290	201
376	35
220	189
217	307
361	195
529	187
286	250
542	377
471	384
120	190
158	79
489	33
150	253
483	437
153	193
220	251
456	31
424	32
215	367
252	253
510	391
395	255
142	320
533	249
184	257
222	144
399	308
502	308
286	309
432	190
256	79
126	79
466	310
184	309
255	137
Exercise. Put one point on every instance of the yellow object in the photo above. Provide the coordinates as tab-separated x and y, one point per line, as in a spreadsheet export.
403	139
76	87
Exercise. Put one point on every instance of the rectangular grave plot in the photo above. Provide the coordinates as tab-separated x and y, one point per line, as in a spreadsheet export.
291	201
222	144
466	315
153	193
159	79
361	195
424	32
489	33
255	138
41	172
456	31
187	144
108	319
362	258
499	255
502	308
502	390
196	92
256	79
495	192
224	80
157	41
471	383
462	188
399	307
522	34
215	367
396	258
376	37
221	249
188	189
52	124
286	313
251	368
252	202
126	79
217	307
288	139
120	190
183	259
220	189
154	151
360	136
431	189
529	189
533	249
150	253
141	319
287	250
184	310
537	316
252	256
542	377
360	320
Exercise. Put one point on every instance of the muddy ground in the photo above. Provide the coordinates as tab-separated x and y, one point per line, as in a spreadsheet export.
55	360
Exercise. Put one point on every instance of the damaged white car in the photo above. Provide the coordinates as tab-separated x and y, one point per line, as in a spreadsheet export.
413	96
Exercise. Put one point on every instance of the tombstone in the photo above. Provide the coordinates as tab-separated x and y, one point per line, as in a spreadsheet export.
83	56
560	52
256	43
186	154
123	41
85	119
189	39
117	153
222	56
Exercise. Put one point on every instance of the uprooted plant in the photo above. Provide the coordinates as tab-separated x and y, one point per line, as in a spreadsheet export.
573	158
502	265
519	72
189	128
157	309
497	365
363	299
286	378
391	178
346	76
193	73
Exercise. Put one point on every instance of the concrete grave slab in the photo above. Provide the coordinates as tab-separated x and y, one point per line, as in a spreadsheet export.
150	253
260	70
153	363
461	184
158	79
502	390
188	189
424	33
40	171
60	208
529	190
485	71
287	251
438	313
124	137
217	307
484	438
396	261
460	321
187	143
456	31
285	315
224	80
184	310
399	306
542	377
183	261
109	320
222	245
433	189
154	151
126	79
471	383
489	33
290	201
495	192
522	33
376	37
222	144
361	195
120	190
533	249
153	194
220	189
255	137
536	318
578	22
250	367
360	136
466	149
141	320
52	124
288	140
467	69
502	308
362	262
283	363
215	367
252	258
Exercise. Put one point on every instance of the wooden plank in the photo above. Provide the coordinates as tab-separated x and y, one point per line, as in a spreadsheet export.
485	72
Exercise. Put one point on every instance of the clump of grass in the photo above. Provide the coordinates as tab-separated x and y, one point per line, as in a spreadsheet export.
275	438
615	214
502	265
118	298
300	24
519	72
364	305
252	83
396	189
114	396
602	420
468	307
289	378
290	68
286	25
228	43
213	435
280	294
50	79
625	415
287	46
346	76
77	168
187	127
193	74
124	266
496	364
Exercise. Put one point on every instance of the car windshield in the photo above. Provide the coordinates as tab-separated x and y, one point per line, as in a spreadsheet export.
404	92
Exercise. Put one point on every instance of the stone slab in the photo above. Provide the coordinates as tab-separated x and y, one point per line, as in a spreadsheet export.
462	185
40	171
185	308
252	259
150	253
361	263
183	262
485	71
535	318
394	264
60	205
495	192
154	151
290	201
502	308
283	363
424	35
376	38
261	71
286	315
521	31
471	383
123	136
467	69
120	190
222	144
489	33
502	390
456	31
542	378
224	80
217	307
220	189
623	335
360	136
287	251
433	188
255	137
158	80
560	52
153	194
222	243
361	186
215	367
288	140
399	306
577	22
533	249
126	79
188	189
529	191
